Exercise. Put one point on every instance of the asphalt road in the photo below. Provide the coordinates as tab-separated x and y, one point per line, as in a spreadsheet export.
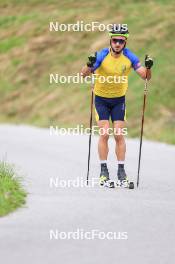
144	217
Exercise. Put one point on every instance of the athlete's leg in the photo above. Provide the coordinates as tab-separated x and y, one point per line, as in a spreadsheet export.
118	115
120	148
102	114
103	153
103	139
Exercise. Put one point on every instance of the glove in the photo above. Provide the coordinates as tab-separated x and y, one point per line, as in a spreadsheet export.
148	62
92	59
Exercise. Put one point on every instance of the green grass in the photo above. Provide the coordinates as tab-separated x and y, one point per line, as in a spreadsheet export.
7	21
12	194
29	53
10	43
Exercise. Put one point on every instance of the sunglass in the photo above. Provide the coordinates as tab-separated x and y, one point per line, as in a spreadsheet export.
120	41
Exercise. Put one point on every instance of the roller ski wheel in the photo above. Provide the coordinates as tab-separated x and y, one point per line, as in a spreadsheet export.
131	185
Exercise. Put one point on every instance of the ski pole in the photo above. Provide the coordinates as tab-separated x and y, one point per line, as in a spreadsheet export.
90	135
141	132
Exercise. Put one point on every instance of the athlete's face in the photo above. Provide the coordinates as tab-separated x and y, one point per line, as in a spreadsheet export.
118	43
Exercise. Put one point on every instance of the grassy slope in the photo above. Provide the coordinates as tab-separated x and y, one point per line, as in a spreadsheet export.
29	52
12	194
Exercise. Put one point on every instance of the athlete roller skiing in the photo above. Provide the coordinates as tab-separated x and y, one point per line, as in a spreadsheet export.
110	101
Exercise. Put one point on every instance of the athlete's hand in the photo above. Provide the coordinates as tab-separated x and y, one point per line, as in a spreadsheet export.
92	59
148	62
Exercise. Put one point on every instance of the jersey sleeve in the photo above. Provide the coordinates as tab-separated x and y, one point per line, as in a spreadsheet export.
135	62
100	57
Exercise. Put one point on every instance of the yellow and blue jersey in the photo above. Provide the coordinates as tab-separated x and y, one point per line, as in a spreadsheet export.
107	65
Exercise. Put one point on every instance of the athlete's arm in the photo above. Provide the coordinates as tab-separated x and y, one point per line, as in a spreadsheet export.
142	72
145	72
94	62
87	69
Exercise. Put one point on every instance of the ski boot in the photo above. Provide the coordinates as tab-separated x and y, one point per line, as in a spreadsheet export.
123	180
104	177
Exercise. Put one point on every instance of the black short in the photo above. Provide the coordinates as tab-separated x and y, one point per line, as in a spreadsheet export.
110	107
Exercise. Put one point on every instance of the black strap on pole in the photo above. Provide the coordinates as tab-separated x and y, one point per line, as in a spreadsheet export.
142	124
90	135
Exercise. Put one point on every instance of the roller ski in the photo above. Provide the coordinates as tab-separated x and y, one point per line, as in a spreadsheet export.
104	177
123	181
